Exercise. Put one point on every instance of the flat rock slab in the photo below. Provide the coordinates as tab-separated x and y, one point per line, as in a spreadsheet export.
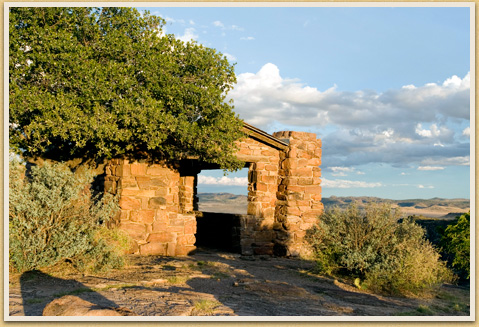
70	305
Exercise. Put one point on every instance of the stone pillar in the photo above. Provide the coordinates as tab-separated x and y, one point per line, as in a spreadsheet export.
257	226
156	204
299	192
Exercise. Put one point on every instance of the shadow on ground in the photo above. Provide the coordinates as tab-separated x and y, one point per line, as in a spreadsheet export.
223	284
38	289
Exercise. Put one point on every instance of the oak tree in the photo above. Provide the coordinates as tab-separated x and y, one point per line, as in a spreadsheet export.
108	82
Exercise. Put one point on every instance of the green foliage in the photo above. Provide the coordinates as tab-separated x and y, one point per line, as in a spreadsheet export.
456	241
389	256
53	218
103	83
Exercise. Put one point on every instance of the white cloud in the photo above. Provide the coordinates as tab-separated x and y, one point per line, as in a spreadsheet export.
344	171
451	161
247	38
224	180
466	131
422	186
430	168
230	57
217	23
237	28
341	183
434	131
399	126
189	35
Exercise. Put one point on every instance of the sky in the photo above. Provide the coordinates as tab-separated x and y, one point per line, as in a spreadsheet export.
387	89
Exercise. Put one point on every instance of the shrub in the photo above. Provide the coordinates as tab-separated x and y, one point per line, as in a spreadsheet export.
53	218
456	242
389	255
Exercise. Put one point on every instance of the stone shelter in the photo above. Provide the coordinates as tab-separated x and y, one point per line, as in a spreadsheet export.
159	206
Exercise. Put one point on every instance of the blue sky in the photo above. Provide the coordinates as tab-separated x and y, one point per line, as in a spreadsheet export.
387	89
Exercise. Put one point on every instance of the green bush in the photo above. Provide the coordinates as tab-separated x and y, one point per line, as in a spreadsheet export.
456	242
389	255
53	217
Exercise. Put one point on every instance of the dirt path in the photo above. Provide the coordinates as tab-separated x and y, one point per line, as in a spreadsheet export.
223	284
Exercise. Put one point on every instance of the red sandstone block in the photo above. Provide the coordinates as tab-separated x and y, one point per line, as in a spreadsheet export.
316	197
124	214
245	150
129	203
182	250
181	240
159	170
311	215
177	222
296	188
314	162
153	249
263	249
262	187
272	188
306	155
159	226
304	203
176	229
137	193
300	234
124	170
135	230
143	216
289	163
305	181
127	183
156	202
268	179
313	189
293	211
254	209
161	237
110	186
302	172
138	168
269	152
144	182
271	168
171	249
133	248
268	213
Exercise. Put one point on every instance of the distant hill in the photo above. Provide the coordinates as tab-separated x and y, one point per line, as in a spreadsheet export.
436	207
223	202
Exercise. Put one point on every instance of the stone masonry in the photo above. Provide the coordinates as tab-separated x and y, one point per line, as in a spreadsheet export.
299	192
156	204
158	201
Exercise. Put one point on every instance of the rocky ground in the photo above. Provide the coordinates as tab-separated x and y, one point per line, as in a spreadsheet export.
212	283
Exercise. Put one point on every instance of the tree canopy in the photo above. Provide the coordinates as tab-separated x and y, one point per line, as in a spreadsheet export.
107	82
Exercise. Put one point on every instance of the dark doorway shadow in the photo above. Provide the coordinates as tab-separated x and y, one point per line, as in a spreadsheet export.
38	289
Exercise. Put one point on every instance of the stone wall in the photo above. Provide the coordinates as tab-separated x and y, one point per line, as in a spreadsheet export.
156	204
299	192
258	234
